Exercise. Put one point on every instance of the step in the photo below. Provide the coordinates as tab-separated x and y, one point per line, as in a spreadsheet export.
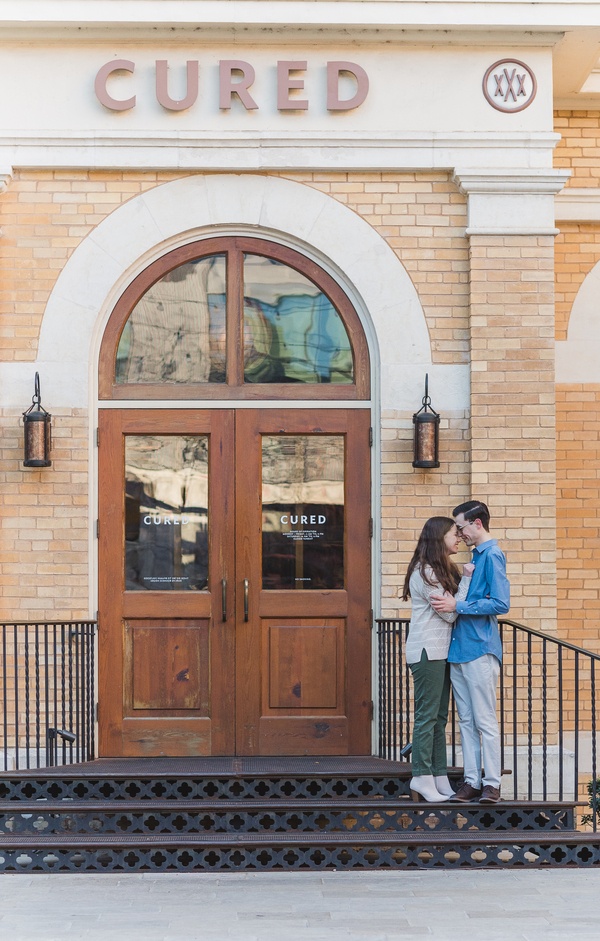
201	787
297	851
45	818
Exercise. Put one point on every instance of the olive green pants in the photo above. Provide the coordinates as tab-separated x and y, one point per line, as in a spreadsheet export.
431	679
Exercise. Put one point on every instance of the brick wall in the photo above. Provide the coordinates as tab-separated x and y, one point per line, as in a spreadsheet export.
579	147
512	411
577	250
44	523
508	283
577	406
422	216
44	216
578	514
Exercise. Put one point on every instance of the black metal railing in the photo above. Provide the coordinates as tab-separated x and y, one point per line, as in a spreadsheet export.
547	709
47	680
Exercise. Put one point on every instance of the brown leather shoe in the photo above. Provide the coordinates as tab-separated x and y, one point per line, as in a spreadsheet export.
490	795
466	793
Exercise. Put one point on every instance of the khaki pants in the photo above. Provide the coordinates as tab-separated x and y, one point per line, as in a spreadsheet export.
474	686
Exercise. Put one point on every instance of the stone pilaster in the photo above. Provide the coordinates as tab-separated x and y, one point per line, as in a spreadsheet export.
513	443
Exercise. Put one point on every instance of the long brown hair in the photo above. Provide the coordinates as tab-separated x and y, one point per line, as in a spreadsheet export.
431	550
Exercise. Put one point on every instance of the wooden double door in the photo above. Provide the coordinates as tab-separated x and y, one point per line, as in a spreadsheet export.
234	582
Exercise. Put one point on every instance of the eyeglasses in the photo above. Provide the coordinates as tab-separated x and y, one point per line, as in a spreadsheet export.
464	525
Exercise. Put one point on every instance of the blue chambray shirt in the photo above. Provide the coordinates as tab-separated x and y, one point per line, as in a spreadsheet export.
476	629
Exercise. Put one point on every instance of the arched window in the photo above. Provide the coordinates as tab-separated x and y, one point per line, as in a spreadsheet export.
233	318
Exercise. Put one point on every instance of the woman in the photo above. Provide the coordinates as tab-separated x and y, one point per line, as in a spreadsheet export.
430	570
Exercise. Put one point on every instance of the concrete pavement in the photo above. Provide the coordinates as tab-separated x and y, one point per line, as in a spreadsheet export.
321	906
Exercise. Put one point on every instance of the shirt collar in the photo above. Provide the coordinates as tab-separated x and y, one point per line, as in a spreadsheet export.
485	545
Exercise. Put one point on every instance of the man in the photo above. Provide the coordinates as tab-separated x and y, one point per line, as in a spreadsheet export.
476	653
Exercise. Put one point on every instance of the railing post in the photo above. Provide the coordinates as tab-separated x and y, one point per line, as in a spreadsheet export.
4	698
594	794
515	655
576	731
561	736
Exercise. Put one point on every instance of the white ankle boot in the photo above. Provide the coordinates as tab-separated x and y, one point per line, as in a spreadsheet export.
423	786
442	784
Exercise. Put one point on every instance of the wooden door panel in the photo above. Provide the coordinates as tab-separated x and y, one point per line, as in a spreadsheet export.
192	604
329	603
304	666
167	668
168	736
299	735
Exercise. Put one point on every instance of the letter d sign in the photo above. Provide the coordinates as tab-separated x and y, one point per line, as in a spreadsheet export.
334	70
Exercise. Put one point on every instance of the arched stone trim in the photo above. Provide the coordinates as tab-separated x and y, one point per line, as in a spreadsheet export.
174	213
578	357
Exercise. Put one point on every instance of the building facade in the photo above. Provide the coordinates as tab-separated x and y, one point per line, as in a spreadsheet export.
235	241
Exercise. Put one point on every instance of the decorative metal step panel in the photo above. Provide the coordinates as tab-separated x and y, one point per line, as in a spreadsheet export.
45	818
261	851
205	787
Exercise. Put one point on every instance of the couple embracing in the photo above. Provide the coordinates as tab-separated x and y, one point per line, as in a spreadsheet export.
453	638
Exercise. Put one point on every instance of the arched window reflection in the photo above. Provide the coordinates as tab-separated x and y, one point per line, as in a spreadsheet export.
176	331
292	331
285	328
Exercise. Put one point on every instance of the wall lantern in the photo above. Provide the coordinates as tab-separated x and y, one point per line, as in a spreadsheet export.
426	439
36	424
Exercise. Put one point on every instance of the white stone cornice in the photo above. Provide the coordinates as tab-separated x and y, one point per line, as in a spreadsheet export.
6	175
520	20
257	150
578	205
511	201
511	180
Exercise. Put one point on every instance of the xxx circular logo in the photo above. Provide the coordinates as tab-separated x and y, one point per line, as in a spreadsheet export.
509	85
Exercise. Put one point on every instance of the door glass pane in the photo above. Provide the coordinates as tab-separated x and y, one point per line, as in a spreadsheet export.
303	511
292	331
166	512
176	331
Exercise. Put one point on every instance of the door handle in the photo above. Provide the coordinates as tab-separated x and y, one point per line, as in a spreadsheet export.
246	587
223	599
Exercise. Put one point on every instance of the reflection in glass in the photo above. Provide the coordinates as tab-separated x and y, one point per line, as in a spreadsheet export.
292	332
303	511
176	331
166	512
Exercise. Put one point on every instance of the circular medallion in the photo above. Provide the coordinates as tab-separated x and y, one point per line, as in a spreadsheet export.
509	85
